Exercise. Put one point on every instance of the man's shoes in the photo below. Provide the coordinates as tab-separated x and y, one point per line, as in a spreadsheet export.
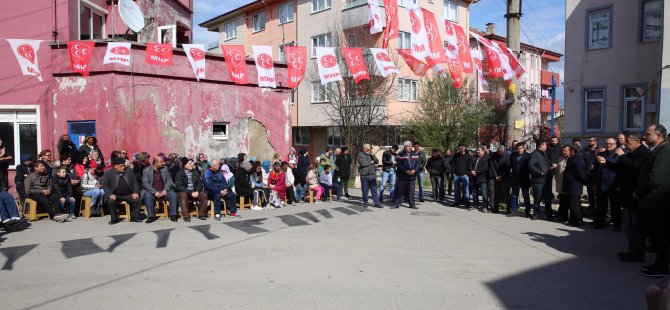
187	219
413	207
203	218
632	258
151	219
112	222
72	216
136	220
60	217
365	205
560	219
378	206
533	217
421	200
653	273
511	215
575	224
174	218
394	207
347	196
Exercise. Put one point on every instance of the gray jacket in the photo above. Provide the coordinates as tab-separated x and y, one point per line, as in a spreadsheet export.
148	179
367	164
538	165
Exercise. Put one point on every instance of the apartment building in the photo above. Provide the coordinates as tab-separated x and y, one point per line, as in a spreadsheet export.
612	66
313	23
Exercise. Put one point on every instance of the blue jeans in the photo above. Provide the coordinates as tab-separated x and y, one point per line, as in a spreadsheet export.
419	179
388	176
369	183
230	197
481	188
68	200
299	192
97	196
150	203
515	197
538	189
462	190
8	209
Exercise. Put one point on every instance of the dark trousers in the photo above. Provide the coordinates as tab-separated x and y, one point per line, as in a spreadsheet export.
437	182
658	225
404	190
449	182
548	195
481	188
185	198
575	203
563	206
369	183
290	194
345	186
607	201
134	206
335	187
635	232
538	188
49	203
590	190
231	201
501	194
525	192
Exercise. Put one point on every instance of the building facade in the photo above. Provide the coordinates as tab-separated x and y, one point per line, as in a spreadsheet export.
315	23
664	115
612	66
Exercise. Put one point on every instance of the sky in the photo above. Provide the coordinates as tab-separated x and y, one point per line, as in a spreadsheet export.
542	23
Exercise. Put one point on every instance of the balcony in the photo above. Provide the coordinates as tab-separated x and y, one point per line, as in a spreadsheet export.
546	78
355	13
545	105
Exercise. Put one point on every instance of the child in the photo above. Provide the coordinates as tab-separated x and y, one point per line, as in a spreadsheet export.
62	188
326	181
322	165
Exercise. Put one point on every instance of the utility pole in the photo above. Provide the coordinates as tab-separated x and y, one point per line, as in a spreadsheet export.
513	17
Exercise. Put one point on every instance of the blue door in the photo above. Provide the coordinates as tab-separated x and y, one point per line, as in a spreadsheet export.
78	130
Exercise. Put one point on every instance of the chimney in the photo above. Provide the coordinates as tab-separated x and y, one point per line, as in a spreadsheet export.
491	29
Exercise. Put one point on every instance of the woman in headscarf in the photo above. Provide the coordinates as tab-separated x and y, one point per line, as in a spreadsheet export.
201	163
140	164
292	156
230	178
277	183
91	144
243	187
260	187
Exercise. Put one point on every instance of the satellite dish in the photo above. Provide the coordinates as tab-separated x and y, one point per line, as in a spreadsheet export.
131	15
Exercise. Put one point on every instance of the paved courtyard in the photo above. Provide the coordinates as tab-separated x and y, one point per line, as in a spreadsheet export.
319	256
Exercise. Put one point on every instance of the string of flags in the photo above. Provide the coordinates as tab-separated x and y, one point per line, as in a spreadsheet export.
427	52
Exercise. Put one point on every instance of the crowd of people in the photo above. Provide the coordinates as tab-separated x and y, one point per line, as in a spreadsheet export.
626	173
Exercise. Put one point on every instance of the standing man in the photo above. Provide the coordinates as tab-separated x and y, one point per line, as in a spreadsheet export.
448	170
388	171
538	165
589	154
653	192
500	172
343	161
480	177
555	155
157	184
435	166
408	165
574	179
120	185
520	178
606	192
422	167
367	168
462	166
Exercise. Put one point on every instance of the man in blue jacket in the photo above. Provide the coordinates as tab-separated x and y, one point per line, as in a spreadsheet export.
408	164
217	188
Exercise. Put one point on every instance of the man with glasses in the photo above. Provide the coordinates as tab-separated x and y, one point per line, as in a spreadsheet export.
45	158
606	191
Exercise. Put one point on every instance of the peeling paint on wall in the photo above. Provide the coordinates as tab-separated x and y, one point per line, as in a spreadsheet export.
69	84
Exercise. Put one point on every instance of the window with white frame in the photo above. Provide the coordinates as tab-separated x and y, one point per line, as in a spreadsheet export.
91	23
404	2
451	10
301	135
404	40
168	34
230	31
286	12
633	103
652	20
334	137
320	5
323	40
220	130
258	21
408	90
595	102
282	55
318	93
18	131
599	28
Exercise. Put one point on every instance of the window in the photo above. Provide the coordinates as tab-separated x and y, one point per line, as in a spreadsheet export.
404	2
258	22
451	10
318	93
320	5
230	31
595	101
408	90
334	137
599	29
286	12
652	20
301	135
168	34
323	40
404	40
91	24
220	131
18	131
633	104
282	55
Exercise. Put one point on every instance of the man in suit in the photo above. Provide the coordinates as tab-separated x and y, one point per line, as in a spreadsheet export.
606	191
520	178
500	172
574	179
157	184
538	166
480	177
120	185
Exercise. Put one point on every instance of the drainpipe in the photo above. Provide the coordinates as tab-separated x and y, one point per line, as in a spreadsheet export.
54	33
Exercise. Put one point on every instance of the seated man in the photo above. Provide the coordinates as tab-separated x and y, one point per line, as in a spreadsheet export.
188	185
217	188
326	181
9	213
120	185
157	184
38	187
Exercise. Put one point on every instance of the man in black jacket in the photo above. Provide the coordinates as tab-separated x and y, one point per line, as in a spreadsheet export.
388	171
408	168
188	185
448	170
480	178
538	165
120	185
574	179
462	167
343	173
436	168
422	167
519	178
555	155
500	171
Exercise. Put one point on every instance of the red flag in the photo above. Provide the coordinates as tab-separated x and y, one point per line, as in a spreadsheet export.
159	54
354	59
492	57
434	41
453	59
463	48
391	32
80	55
296	59
418	67
236	62
514	63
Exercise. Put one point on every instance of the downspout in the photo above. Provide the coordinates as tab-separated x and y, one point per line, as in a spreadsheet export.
54	33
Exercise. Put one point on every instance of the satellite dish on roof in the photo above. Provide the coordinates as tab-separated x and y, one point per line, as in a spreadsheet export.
131	15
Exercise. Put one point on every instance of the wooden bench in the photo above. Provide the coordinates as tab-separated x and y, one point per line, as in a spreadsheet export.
32	214
85	207
311	195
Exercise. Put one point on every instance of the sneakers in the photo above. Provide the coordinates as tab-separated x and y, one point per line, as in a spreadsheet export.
234	214
72	216
217	217
256	208
61	217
